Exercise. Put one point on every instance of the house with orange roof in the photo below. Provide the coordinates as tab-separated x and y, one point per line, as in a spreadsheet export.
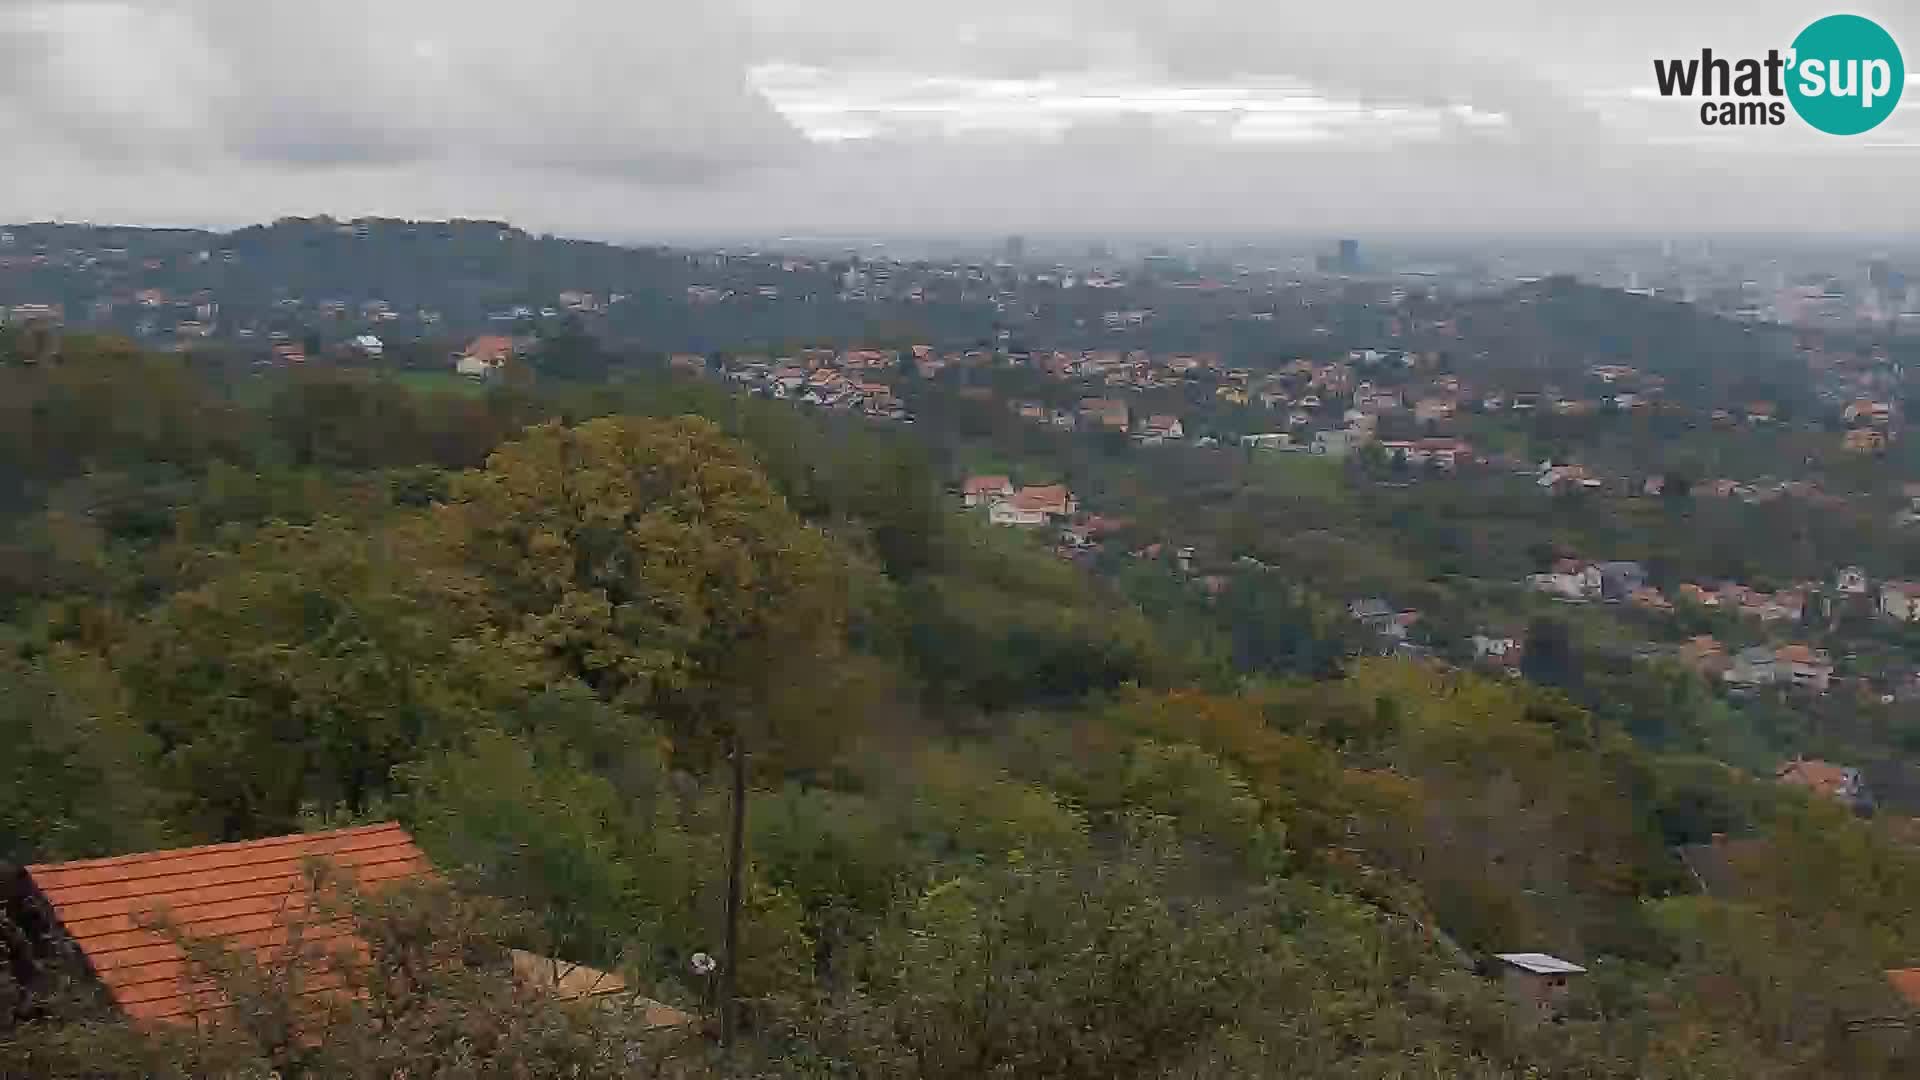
1444	453
141	921
1864	440
981	490
1838	782
1705	655
484	356
1033	506
1699	594
1052	499
1868	411
1109	413
1906	983
1649	598
131	915
1804	666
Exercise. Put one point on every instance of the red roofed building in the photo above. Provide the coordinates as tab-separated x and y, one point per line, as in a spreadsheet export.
1906	983
1446	453
1824	778
129	913
1053	500
1033	506
1802	665
1106	412
483	356
978	490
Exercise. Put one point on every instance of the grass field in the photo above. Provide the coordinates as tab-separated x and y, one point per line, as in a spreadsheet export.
440	382
1298	474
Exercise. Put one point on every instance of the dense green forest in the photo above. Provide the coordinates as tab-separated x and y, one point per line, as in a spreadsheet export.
1007	816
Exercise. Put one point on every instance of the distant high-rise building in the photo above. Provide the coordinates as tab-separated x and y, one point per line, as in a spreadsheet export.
1345	260
1016	248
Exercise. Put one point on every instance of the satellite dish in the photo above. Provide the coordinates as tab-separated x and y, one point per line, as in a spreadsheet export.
703	964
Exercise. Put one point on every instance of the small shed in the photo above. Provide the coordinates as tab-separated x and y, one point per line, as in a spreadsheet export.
1537	983
578	982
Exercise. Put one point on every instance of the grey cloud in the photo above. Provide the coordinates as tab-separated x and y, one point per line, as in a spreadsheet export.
656	92
624	117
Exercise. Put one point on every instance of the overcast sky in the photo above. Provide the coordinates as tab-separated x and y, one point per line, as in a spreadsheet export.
625	118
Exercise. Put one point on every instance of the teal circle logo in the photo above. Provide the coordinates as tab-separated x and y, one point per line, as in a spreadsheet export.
1846	75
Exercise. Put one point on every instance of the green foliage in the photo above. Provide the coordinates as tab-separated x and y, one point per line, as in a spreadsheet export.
839	852
1278	628
554	838
105	405
964	805
77	778
1038	970
1005	819
653	561
314	660
1004	623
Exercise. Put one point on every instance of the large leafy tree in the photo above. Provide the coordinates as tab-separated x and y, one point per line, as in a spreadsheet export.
653	560
311	662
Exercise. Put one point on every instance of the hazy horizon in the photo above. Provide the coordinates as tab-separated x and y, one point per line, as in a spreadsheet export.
774	117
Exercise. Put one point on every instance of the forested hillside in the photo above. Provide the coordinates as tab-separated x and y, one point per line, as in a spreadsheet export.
1006	816
1552	331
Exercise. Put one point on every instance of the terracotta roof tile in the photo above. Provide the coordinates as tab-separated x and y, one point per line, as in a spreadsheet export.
490	347
980	485
126	913
1823	777
1906	983
1052	498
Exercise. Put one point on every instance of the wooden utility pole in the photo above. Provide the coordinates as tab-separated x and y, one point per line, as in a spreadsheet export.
736	851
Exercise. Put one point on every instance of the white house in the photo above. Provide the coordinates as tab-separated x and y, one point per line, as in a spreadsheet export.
1032	506
1900	600
371	346
1165	427
1337	444
1486	647
1010	512
484	356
